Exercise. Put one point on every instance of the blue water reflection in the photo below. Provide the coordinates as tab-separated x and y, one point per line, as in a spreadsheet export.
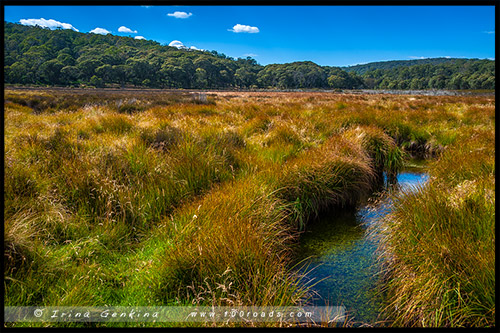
340	256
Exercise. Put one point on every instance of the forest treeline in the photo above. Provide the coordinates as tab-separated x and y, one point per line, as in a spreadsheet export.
40	56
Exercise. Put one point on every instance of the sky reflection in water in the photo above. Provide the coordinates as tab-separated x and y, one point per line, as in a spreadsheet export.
341	258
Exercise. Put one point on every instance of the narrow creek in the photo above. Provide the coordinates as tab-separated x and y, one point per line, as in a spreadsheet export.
339	255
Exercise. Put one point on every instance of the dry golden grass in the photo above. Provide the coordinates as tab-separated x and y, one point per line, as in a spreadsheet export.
150	198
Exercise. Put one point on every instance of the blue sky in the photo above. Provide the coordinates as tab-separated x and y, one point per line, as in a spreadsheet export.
327	35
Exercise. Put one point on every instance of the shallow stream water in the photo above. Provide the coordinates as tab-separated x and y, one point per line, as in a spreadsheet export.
339	255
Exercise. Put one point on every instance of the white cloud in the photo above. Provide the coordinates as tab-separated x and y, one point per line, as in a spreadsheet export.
414	57
139	37
244	28
489	32
100	31
52	24
125	29
181	15
176	43
250	55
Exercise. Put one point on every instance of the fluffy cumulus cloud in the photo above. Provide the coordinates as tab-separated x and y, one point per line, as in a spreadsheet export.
51	24
178	44
100	31
181	15
128	30
139	37
244	28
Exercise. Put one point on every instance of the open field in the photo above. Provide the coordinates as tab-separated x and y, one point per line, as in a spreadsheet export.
151	198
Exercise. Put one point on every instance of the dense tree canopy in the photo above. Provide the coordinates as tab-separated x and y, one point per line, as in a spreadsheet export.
363	68
450	74
40	56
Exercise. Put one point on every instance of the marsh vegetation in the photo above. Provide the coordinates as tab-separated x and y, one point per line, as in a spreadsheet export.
158	198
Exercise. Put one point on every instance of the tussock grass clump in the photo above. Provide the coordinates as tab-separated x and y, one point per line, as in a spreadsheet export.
129	107
113	123
283	134
234	239
260	124
470	157
229	138
19	183
337	174
18	241
440	242
382	149
163	138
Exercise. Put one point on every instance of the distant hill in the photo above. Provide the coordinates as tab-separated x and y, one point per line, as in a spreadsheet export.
40	56
434	73
363	68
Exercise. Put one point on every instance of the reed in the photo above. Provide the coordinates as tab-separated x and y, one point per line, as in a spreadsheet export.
439	242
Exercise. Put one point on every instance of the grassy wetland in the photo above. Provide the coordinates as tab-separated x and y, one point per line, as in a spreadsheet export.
150	197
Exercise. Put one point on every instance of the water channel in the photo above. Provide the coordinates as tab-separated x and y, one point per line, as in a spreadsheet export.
339	255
